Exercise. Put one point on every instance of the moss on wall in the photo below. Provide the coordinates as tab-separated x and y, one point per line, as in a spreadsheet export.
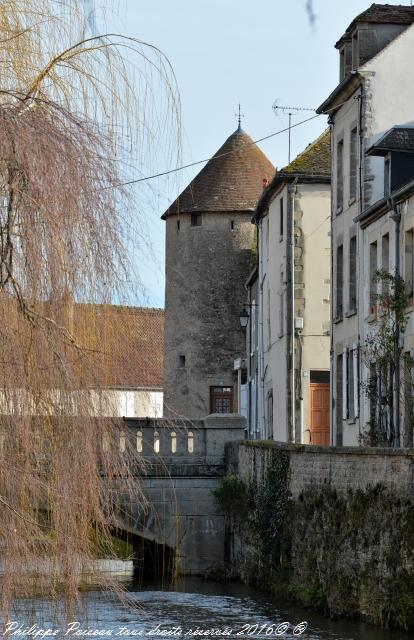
347	554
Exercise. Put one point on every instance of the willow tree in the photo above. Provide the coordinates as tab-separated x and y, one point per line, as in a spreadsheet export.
73	119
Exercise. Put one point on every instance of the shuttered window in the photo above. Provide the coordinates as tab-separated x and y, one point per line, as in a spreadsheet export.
339	282
353	162
373	266
339	383
409	262
340	176
353	274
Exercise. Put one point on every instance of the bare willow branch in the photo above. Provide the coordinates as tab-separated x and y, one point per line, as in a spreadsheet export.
75	112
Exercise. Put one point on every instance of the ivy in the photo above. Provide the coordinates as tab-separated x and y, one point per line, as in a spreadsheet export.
231	496
383	357
271	500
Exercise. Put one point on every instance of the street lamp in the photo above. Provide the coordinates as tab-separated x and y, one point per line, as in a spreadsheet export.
244	318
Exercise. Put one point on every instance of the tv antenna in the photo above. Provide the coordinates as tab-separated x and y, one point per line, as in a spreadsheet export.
291	111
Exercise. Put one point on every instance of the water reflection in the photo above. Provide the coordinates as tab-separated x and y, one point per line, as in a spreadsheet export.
190	605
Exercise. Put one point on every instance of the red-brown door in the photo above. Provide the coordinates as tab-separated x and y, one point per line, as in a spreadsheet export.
319	413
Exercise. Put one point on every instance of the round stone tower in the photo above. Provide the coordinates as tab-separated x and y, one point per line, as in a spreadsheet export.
209	239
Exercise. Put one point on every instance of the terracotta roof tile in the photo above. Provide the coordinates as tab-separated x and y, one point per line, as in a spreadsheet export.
232	180
126	344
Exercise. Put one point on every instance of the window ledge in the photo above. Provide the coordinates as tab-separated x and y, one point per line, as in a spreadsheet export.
338	210
372	314
351	200
337	319
351	312
280	238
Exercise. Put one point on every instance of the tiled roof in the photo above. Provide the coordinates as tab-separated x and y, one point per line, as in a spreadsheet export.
312	165
232	180
125	344
315	159
119	346
383	14
396	139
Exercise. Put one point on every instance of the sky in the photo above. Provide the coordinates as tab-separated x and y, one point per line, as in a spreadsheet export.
226	52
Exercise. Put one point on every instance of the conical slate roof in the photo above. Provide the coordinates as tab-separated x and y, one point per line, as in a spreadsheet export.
232	180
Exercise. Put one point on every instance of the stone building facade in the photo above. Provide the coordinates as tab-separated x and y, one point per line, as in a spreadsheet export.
375	93
209	238
293	219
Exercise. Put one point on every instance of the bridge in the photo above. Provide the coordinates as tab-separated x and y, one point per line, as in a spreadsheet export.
179	526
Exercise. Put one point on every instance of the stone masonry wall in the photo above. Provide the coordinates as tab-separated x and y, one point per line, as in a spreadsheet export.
330	528
341	469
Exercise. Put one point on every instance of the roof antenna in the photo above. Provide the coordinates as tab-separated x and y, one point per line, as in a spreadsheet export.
239	117
291	111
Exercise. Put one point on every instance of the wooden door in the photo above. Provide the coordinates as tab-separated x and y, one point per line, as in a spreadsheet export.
319	413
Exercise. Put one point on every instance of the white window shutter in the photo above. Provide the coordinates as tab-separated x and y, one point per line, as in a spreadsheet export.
345	384
356	380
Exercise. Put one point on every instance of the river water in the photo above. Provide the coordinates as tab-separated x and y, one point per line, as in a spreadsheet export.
184	610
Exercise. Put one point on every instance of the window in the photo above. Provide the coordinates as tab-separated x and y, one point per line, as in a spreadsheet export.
122	442
409	262
387	178
281	221
408	401
196	220
181	361
173	442
156	442
269	325
350	384
340	176
355	52
178	225
385	262
253	328
353	274
373	266
353	161
270	413
281	305
221	399
338	407
232	224
339	282
190	442
128	404
139	441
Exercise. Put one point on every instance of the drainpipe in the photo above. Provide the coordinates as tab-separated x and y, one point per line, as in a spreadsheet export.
291	216
261	337
332	363
396	216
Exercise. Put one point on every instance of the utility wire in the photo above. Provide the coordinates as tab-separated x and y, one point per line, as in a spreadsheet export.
193	164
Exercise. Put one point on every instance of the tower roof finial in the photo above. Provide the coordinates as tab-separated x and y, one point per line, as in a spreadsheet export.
239	115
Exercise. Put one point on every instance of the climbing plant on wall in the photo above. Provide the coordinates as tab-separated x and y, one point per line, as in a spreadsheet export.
388	384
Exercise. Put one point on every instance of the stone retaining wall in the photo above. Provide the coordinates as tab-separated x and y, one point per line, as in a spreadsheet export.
332	528
313	467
